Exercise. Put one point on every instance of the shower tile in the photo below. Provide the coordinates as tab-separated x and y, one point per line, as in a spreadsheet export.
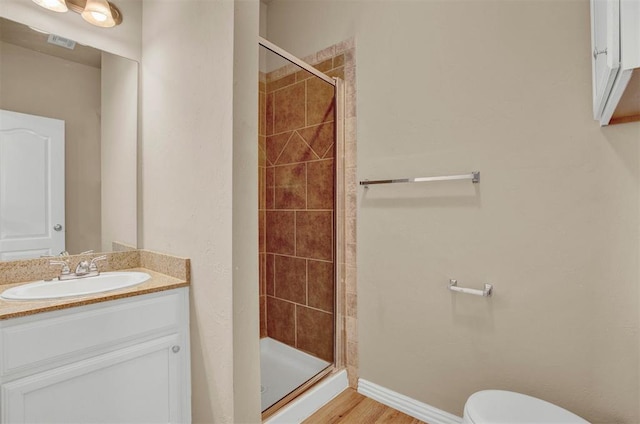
303	75
289	108
262	87
351	325
269	197
352	304
314	332
324	66
262	154
351	204
350	79
262	273
350	254
270	275
262	143
350	130
290	186
320	182
352	354
350	154
296	150
263	316
262	188
319	137
320	285
351	279
280	83
261	232
269	114
262	129
281	320
338	72
319	101
290	279
314	231
327	53
350	229
280	233
330	152
275	145
338	61
345	45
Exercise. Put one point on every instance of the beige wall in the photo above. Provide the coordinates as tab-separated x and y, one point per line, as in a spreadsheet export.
25	86
119	142
246	350
192	150
504	88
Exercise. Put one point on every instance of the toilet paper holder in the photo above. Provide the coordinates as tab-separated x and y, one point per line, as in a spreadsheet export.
486	292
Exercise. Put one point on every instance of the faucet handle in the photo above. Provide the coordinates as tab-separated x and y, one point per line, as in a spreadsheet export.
65	266
93	266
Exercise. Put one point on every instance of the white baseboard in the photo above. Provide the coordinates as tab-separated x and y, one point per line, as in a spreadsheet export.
315	398
409	406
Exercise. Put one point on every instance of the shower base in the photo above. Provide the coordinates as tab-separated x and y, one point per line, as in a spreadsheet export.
283	369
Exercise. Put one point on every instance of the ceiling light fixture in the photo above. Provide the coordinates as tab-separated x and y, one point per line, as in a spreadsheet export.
53	5
100	13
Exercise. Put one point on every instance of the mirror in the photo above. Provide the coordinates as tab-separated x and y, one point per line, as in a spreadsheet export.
95	95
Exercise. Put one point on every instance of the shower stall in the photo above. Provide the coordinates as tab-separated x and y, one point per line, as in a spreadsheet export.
300	226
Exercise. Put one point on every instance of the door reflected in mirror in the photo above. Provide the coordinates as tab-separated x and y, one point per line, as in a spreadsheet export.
78	193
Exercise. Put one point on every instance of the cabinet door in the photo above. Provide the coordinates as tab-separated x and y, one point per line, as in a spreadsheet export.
138	384
605	44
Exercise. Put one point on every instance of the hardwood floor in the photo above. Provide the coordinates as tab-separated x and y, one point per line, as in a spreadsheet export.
350	407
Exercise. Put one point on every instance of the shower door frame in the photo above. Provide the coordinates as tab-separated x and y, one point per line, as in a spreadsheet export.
339	333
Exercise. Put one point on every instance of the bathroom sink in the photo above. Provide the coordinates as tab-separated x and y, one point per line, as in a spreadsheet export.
54	289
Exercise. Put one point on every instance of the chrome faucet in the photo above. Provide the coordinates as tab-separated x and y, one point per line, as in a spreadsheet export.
85	268
65	268
82	268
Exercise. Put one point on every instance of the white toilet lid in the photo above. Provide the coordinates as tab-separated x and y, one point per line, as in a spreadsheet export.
503	407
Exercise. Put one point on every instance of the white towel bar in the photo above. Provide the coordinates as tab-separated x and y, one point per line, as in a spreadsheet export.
488	289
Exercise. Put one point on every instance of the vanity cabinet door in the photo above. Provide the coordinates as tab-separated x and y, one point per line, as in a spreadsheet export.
143	383
605	49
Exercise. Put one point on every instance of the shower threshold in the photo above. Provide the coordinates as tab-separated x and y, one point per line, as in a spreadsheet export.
283	369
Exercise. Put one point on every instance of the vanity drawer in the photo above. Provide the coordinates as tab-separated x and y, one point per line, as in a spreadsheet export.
50	339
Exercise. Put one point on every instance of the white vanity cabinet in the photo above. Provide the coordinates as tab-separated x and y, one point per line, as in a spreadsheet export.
615	56
120	361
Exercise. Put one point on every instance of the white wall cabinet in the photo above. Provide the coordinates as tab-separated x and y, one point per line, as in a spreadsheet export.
615	43
123	361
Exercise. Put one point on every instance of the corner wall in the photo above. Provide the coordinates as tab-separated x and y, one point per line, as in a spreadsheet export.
118	151
187	174
503	88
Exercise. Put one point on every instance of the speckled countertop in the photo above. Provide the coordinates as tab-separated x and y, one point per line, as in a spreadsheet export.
167	272
18	308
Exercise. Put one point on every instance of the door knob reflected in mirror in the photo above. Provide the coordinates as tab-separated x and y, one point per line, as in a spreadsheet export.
57	227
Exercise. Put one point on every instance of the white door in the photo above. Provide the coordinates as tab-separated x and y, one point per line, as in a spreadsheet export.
605	42
31	186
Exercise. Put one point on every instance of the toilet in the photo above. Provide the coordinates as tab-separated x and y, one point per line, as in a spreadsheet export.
504	407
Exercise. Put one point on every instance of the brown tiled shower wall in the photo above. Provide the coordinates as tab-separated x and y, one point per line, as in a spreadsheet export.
297	208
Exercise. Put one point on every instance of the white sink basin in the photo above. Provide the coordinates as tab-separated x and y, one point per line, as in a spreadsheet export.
54	289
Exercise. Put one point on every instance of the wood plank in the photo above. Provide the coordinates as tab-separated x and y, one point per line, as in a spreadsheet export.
367	411
393	416
350	407
333	412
